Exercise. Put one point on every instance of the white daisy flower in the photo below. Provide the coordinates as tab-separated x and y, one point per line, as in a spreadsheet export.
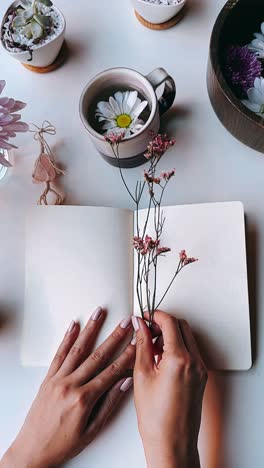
255	101
121	113
257	45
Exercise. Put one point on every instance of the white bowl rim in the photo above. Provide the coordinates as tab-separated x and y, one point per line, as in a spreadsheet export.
157	5
101	137
42	45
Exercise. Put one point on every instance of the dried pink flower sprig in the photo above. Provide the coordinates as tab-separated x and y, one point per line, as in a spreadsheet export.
149	249
10	122
149	245
158	146
185	260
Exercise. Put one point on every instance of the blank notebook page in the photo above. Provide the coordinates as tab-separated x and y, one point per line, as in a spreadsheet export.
211	294
77	258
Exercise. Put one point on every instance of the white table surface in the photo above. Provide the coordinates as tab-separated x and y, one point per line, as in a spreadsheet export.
211	166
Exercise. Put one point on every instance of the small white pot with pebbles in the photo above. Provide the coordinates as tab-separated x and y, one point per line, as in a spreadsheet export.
158	11
33	32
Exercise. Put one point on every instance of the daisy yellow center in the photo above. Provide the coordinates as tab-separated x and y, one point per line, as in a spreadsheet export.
123	121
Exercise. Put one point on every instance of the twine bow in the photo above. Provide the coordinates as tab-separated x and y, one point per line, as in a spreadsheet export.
46	170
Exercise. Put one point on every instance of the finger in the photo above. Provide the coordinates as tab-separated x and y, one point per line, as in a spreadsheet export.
189	340
169	325
99	358
84	344
114	372
108	405
69	339
144	346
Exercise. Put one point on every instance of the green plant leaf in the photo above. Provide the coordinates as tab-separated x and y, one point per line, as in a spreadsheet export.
26	3
20	11
19	22
28	14
46	2
36	29
27	31
42	20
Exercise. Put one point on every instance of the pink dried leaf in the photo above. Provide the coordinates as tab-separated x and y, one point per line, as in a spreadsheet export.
6	119
17	127
4	162
4	101
17	106
2	85
5	145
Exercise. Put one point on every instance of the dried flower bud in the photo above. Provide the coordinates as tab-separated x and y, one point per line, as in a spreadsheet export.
114	138
185	260
158	146
167	175
163	250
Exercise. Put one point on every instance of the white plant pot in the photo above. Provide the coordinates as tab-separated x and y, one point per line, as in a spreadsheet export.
157	14
45	54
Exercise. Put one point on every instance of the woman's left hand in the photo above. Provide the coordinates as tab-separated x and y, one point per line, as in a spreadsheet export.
76	397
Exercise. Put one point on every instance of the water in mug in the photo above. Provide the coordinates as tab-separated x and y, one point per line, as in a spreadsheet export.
104	96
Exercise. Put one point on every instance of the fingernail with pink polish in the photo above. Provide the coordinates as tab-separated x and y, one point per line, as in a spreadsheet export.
71	327
97	314
126	384
134	341
135	323
125	323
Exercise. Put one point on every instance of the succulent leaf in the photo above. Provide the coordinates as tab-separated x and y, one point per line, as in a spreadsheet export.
26	3
46	2
28	14
42	20
20	11
36	29
27	31
19	22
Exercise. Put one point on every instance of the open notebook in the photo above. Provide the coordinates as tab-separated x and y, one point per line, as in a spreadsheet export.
80	257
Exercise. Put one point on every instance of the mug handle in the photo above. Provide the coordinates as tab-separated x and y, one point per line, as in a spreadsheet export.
156	78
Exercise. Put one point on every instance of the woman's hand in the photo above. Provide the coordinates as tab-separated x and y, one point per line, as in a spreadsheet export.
168	392
76	397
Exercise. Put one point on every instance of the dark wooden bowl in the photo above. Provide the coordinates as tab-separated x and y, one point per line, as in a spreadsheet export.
236	23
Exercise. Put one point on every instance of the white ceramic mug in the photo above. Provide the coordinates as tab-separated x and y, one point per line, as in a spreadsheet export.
132	148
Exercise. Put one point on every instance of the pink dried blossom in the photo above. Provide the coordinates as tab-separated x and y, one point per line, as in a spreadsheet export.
167	175
158	146
163	250
190	260
138	243
182	255
114	138
10	123
185	260
149	179
146	245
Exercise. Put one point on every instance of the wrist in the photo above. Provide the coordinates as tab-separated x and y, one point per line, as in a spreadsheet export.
16	458
160	455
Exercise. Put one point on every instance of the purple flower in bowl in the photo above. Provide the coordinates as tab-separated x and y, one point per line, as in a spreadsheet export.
241	68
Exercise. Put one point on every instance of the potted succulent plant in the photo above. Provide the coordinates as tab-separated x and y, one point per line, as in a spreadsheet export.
33	32
10	125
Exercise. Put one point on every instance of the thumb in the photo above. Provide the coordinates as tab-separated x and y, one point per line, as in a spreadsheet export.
144	354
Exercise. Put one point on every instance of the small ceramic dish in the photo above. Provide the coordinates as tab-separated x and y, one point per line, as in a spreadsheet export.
157	14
